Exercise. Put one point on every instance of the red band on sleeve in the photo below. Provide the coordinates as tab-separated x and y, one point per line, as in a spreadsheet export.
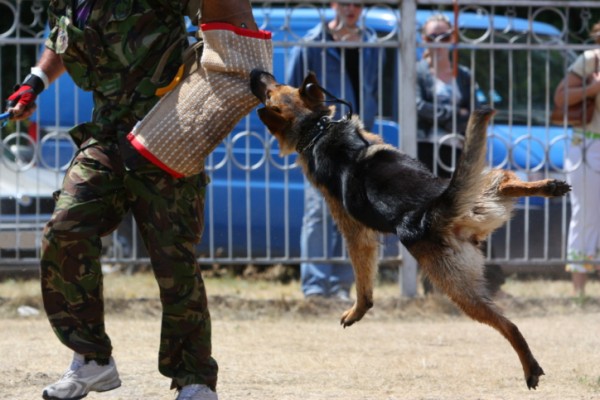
213	26
150	157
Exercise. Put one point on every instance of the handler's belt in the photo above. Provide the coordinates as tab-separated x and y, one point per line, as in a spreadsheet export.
194	117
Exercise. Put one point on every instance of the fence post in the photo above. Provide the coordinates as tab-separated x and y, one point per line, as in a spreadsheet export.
408	119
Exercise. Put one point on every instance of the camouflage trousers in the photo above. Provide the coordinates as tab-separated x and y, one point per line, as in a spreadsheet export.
96	193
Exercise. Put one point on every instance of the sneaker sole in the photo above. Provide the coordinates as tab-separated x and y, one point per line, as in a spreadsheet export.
45	395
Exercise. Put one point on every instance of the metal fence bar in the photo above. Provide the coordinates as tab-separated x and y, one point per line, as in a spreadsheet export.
408	122
263	228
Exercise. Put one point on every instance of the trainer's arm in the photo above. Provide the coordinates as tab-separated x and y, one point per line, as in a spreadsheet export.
52	66
235	12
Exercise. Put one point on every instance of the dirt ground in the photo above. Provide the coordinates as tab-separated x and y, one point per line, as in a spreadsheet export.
277	347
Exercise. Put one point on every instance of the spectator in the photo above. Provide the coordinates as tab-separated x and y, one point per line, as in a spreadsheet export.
445	98
338	70
115	49
583	166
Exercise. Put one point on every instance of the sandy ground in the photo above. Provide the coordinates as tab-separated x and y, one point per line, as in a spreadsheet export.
280	349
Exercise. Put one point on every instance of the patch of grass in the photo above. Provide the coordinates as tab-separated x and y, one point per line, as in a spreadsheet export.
143	285
15	288
591	382
544	288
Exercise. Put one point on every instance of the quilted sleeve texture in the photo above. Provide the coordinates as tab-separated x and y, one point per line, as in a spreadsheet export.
192	119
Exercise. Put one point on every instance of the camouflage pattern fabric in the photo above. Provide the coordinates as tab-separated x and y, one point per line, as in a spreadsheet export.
115	55
96	193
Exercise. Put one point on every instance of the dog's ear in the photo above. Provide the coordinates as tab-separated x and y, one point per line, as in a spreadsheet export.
311	90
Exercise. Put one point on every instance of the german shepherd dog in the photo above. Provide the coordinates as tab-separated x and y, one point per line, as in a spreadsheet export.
372	187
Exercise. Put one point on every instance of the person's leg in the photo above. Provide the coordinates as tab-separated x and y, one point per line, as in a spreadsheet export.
89	206
574	178
584	227
593	196
314	275
342	275
579	280
589	210
169	213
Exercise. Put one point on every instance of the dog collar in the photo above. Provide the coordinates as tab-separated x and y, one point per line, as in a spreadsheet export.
315	134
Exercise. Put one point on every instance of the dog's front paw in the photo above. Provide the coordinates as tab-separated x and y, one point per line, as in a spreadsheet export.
352	315
556	188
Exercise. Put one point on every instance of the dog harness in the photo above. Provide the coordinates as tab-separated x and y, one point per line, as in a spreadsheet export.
324	122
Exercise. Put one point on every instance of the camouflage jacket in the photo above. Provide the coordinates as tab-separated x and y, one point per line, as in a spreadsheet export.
116	52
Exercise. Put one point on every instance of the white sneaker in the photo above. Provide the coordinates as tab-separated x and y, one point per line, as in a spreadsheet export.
196	392
82	378
343	295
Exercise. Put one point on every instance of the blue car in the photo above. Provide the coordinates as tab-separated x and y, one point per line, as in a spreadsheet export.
254	204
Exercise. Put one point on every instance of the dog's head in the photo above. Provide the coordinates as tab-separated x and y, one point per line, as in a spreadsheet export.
287	109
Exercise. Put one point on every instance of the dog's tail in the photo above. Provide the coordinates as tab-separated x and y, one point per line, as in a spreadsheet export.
467	180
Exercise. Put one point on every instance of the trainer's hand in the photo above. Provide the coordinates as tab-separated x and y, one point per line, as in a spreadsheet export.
21	104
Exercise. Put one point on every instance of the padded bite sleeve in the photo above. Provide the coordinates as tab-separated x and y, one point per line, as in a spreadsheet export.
193	118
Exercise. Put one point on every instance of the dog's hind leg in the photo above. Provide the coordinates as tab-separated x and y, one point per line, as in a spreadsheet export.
512	186
460	275
483	310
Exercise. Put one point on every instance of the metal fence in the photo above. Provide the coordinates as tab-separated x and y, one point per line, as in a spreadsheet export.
255	201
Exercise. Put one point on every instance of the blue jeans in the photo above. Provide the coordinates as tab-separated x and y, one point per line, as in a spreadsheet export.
320	238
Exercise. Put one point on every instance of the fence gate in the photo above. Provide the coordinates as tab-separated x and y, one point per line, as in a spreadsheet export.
517	54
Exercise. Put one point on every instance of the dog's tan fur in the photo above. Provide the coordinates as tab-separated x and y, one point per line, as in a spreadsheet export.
483	201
